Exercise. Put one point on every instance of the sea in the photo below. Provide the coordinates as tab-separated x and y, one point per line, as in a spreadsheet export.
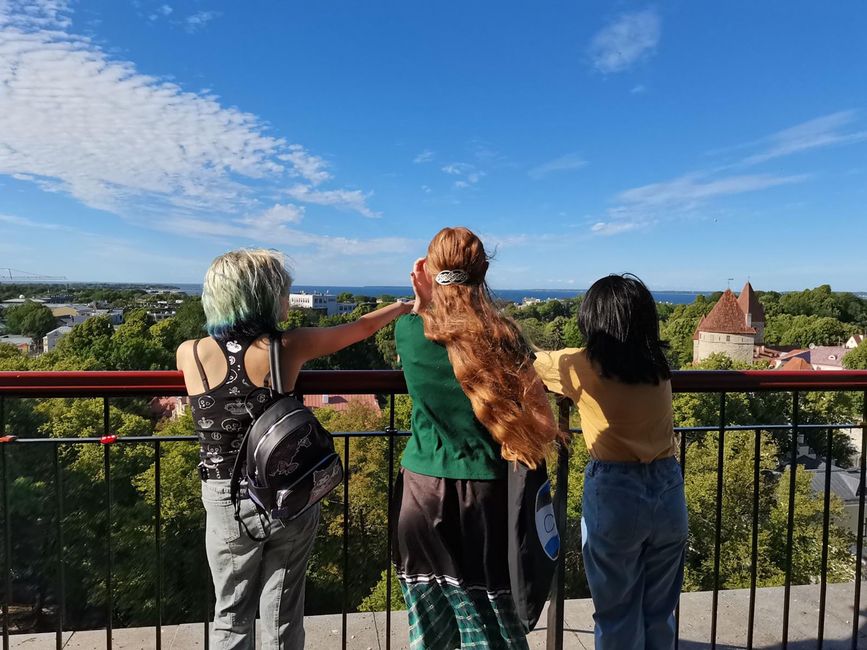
512	295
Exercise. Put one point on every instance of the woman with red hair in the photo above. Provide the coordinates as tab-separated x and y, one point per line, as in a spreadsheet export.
477	404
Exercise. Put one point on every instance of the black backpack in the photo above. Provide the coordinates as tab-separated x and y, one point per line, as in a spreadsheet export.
286	462
534	540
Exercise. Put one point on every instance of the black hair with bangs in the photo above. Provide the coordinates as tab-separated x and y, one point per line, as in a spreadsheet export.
619	322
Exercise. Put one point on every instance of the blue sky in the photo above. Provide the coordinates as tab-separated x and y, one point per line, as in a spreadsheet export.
686	142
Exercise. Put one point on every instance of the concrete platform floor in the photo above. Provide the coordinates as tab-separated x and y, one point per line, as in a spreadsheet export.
367	631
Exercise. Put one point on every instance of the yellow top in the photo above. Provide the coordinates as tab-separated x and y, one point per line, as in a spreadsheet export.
621	422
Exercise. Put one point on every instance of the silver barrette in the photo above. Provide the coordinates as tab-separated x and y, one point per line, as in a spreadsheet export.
457	276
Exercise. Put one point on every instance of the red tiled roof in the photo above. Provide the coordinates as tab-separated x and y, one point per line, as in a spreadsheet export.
340	402
726	317
797	363
749	304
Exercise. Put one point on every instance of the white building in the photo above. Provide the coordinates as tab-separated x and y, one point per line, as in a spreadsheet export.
322	301
855	341
49	341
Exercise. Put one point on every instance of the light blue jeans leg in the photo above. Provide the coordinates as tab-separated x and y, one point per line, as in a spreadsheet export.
633	540
248	574
663	564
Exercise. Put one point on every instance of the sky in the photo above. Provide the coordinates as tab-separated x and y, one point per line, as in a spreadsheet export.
686	142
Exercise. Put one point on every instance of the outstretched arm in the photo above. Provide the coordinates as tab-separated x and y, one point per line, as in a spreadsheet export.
306	343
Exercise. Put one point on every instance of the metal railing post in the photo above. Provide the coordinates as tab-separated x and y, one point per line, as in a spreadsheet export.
345	603
61	569
389	522
158	550
718	525
859	546
109	565
556	617
7	535
754	551
790	525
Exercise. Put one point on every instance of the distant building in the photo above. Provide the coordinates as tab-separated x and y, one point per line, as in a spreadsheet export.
321	301
49	341
340	402
855	341
816	357
725	330
845	484
23	343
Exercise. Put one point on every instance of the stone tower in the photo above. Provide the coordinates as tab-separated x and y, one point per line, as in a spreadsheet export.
725	330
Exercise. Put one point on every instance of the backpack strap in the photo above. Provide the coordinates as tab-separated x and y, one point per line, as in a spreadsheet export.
200	366
235	487
274	343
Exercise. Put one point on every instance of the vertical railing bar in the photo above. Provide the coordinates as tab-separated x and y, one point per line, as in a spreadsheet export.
158	556
389	523
556	618
790	525
345	605
826	523
677	609
61	571
754	552
718	524
7	536
859	547
106	449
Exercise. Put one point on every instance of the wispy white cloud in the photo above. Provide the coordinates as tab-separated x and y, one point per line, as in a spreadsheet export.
354	200
685	191
825	131
640	89
647	205
631	38
261	231
468	174
276	216
607	228
567	162
425	156
162	11
311	168
199	20
75	120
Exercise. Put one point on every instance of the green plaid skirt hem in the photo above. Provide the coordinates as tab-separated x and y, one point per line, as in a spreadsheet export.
445	617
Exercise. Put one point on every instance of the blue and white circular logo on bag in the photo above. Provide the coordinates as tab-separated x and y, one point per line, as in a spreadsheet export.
546	522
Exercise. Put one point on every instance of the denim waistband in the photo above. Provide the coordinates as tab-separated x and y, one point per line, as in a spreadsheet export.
660	465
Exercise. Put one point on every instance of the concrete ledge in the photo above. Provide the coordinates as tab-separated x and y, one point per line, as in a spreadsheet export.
367	631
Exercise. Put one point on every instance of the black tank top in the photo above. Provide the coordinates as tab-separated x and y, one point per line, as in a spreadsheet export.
222	414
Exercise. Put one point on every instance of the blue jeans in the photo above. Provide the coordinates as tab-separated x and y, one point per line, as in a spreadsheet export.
634	530
268	575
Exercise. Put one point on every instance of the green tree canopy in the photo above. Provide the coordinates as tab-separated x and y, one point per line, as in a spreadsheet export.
31	319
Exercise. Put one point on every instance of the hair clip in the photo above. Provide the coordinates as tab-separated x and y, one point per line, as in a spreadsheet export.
457	276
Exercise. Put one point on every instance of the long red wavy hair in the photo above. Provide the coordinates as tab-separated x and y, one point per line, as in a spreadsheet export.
491	358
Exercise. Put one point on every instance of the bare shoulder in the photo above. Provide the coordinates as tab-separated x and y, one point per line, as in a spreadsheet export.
184	352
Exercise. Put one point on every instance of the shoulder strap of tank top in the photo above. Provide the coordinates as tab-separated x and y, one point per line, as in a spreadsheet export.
200	366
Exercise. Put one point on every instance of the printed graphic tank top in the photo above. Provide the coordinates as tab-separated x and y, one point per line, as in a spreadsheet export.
223	414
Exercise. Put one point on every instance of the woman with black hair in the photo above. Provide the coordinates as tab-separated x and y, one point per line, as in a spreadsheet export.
634	521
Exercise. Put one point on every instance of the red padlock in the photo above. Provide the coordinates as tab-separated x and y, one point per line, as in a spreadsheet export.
8	439
109	439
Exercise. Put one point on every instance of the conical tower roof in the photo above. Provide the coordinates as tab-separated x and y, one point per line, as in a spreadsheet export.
749	303
726	317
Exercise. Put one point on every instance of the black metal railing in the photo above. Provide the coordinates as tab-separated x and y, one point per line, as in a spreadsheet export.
108	386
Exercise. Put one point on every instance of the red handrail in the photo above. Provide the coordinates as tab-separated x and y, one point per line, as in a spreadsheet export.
160	383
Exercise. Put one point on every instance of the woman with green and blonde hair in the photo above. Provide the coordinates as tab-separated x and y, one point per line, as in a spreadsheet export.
245	297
